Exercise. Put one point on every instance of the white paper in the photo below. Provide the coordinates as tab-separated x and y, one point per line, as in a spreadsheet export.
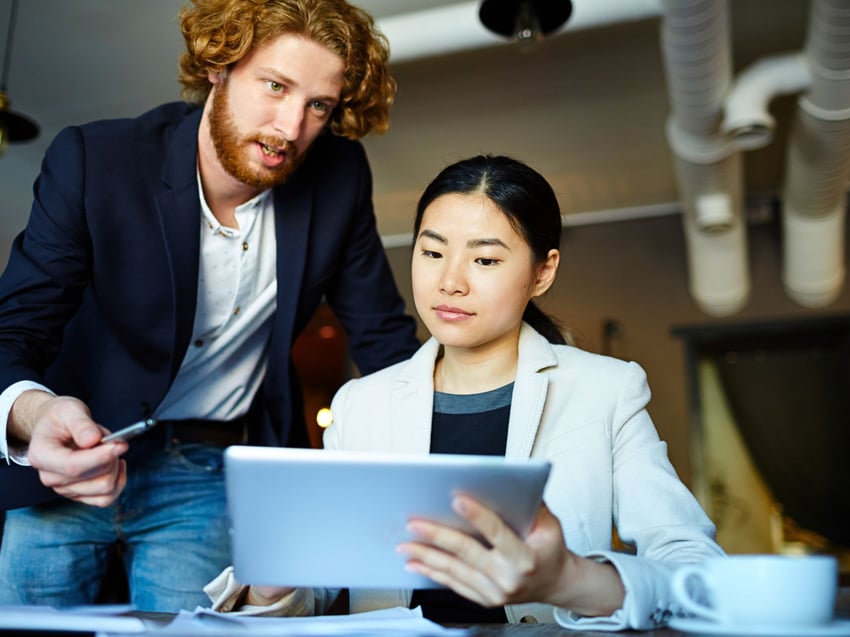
110	621
83	619
396	621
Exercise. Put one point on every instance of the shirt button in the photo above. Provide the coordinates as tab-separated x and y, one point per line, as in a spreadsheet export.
244	245
199	343
236	311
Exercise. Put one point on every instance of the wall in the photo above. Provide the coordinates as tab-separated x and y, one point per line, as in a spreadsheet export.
634	272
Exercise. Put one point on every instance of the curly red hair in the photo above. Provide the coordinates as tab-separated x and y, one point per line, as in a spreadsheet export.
218	33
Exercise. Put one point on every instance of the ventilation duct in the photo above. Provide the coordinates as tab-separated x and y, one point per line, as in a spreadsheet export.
696	47
818	163
746	120
713	120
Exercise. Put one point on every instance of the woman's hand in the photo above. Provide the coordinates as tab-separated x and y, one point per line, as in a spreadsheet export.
511	570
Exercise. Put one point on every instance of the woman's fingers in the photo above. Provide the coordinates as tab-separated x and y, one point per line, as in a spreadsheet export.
487	567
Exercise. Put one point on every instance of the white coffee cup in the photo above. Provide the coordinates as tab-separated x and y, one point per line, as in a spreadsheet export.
759	590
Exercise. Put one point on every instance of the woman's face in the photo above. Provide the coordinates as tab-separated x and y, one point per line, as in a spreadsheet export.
473	275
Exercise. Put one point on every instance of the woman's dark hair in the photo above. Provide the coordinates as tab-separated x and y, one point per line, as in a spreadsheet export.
526	199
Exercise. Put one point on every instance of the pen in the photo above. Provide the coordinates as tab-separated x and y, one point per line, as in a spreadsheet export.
131	431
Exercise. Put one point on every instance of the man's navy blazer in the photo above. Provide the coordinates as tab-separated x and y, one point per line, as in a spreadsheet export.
98	298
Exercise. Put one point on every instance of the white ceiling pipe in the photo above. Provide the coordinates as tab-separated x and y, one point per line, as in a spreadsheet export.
697	53
828	58
456	27
828	52
714	211
746	118
818	164
715	282
718	273
815	208
813	258
696	47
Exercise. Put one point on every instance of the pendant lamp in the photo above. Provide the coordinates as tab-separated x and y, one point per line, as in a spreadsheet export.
525	21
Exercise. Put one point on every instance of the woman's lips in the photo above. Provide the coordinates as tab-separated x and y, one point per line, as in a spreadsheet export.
448	313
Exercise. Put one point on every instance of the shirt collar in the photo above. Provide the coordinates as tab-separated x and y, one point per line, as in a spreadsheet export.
248	210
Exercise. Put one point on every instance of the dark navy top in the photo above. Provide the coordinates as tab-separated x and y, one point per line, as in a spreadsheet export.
468	424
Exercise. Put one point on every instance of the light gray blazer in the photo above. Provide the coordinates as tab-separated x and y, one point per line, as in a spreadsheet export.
586	414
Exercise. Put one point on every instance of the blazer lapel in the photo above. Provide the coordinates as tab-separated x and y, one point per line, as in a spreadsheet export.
293	203
529	395
412	402
180	213
412	397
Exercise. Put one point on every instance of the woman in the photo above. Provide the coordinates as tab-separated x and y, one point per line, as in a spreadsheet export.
497	377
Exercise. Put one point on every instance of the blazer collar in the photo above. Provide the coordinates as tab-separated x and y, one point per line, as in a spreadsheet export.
179	213
412	397
536	356
180	167
293	210
412	401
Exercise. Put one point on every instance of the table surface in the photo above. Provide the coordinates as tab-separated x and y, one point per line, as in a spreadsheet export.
552	630
842	607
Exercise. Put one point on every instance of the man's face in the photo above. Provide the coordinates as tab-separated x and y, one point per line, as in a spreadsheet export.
267	110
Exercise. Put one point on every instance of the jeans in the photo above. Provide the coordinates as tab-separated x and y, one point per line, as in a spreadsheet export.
171	521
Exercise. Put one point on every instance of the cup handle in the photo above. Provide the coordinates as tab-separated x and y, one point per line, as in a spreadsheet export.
681	593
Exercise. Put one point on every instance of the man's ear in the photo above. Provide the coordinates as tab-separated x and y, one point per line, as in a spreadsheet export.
216	77
547	271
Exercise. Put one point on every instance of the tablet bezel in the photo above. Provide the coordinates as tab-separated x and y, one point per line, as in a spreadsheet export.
328	518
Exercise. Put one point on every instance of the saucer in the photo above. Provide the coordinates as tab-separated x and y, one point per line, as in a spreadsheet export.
835	628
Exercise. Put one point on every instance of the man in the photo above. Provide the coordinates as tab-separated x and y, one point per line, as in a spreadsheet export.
168	265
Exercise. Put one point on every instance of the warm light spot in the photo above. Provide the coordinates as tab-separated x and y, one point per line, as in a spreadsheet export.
324	417
327	332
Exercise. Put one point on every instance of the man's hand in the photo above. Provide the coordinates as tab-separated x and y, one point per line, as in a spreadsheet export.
64	446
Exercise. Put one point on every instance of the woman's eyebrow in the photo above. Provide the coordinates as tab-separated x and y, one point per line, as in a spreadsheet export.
472	243
479	243
436	236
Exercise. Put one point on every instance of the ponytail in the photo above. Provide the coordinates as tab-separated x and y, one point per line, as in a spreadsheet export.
545	324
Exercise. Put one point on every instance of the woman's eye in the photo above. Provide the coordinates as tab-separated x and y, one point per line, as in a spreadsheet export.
321	107
486	261
431	254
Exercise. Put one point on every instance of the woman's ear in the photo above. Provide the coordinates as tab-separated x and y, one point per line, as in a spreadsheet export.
547	271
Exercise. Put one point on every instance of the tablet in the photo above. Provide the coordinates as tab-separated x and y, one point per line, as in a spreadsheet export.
314	517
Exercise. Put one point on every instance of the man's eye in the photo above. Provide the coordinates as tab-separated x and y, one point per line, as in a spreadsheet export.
277	87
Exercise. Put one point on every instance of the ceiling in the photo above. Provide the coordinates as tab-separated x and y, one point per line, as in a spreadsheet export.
588	109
